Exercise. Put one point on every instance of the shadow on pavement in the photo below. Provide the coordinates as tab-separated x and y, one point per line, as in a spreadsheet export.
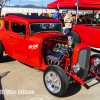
1	93
73	89
76	87
28	65
6	58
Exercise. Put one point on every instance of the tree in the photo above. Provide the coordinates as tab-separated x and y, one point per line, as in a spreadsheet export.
2	3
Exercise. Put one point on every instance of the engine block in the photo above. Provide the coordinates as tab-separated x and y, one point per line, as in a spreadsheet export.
57	56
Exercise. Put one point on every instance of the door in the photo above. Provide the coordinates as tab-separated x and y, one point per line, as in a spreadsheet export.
6	39
93	36
19	43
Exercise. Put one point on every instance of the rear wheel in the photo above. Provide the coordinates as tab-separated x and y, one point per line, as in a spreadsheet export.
55	80
1	50
73	37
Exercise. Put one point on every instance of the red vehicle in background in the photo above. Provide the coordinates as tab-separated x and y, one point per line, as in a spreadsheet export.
38	41
89	34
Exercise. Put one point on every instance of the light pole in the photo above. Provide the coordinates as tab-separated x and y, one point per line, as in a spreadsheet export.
9	3
20	3
0	9
42	6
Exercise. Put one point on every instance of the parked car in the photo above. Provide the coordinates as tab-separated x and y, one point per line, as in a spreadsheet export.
88	34
38	41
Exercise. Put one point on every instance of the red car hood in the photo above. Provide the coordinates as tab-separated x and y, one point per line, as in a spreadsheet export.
40	36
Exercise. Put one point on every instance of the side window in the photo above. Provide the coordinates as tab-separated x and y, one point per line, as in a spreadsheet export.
7	25
18	27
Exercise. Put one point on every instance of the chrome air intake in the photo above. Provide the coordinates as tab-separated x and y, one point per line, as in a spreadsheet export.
57	56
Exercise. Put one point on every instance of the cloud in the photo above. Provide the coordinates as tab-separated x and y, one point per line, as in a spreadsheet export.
25	2
32	0
35	0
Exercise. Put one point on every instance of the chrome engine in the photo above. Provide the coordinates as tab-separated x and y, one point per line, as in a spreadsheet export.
57	56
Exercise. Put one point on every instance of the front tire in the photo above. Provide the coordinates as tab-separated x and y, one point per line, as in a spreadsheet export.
55	80
73	37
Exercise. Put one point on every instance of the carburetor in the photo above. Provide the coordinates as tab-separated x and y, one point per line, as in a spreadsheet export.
61	48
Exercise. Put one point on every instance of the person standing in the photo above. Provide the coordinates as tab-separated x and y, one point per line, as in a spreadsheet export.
56	14
97	17
83	14
69	21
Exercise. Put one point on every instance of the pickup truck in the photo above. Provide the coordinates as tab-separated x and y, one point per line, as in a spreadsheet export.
87	33
38	41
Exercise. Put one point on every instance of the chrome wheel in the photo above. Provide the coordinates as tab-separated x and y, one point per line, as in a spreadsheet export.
53	81
70	40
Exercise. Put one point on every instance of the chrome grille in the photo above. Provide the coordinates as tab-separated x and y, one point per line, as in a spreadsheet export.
83	60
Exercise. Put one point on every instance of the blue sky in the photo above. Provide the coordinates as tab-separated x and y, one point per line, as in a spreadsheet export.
25	2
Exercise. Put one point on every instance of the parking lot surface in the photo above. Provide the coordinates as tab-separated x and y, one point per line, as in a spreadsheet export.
23	77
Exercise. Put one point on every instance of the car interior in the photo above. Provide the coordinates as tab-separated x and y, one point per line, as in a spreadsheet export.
96	26
19	28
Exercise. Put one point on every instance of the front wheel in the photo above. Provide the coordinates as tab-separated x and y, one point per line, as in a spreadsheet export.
55	80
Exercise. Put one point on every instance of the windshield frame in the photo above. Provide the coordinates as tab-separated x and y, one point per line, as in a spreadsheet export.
45	31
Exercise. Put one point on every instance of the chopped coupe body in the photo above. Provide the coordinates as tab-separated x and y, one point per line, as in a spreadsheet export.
38	41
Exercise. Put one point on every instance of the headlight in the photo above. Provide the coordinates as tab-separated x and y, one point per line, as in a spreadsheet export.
96	61
76	67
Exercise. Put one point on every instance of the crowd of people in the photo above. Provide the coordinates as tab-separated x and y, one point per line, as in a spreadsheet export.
68	20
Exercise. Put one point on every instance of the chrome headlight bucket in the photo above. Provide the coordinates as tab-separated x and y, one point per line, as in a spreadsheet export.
96	61
76	67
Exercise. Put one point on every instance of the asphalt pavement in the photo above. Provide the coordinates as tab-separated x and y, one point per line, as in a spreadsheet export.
25	78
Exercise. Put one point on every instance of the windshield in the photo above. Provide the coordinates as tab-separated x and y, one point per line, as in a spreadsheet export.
43	27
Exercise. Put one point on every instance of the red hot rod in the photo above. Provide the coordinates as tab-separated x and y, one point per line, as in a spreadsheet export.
38	41
87	33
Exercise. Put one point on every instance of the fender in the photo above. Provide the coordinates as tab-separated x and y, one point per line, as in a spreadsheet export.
76	53
78	29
